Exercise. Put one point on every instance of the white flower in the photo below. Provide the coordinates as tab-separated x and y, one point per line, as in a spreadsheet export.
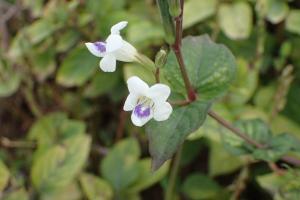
147	102
114	48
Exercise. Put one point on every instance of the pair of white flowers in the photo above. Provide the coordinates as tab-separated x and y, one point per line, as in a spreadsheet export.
145	102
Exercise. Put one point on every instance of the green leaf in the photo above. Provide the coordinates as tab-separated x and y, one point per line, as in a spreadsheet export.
210	66
245	84
67	40
43	63
19	194
95	187
77	68
166	136
282	124
4	176
293	21
77	105
282	187
40	30
142	39
198	186
101	83
55	128
120	167
36	7
236	20
134	69
221	162
196	11
256	129
211	128
147	177
167	21
59	165
277	11
70	192
10	79
278	146
19	46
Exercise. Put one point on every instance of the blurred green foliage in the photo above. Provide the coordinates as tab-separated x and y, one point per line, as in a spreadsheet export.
62	133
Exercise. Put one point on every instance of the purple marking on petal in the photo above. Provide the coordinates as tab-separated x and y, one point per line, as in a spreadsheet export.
141	111
100	46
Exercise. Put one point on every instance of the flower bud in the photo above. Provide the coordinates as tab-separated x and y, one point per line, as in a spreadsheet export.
161	58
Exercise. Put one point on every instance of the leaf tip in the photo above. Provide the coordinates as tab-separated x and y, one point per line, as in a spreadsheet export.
156	164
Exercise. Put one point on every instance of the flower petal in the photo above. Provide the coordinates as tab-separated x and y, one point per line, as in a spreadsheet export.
113	43
115	29
130	102
162	111
140	121
127	53
136	86
94	49
159	92
108	63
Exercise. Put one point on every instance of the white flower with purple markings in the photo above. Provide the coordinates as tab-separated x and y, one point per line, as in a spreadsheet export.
147	102
114	48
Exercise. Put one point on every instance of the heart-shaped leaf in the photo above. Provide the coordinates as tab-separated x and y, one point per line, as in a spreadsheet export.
211	67
165	137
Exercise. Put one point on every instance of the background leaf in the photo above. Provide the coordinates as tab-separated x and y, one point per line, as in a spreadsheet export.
120	167
95	188
58	166
198	186
196	11
236	20
4	176
293	21
77	67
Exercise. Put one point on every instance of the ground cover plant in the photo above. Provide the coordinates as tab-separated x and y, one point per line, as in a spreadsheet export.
165	99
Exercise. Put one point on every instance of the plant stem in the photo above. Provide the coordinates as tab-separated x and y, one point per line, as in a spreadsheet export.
173	174
239	133
236	131
180	103
177	50
157	75
5	142
34	107
291	160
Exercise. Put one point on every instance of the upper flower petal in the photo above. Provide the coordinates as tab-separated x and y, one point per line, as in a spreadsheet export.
136	86
130	102
108	63
140	121
162	111
159	92
96	48
115	29
114	42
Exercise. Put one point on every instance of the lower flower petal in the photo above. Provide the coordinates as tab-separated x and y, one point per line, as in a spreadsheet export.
140	120
97	48
130	102
162	111
108	63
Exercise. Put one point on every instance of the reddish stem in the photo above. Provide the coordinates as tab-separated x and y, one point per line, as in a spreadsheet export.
177	50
